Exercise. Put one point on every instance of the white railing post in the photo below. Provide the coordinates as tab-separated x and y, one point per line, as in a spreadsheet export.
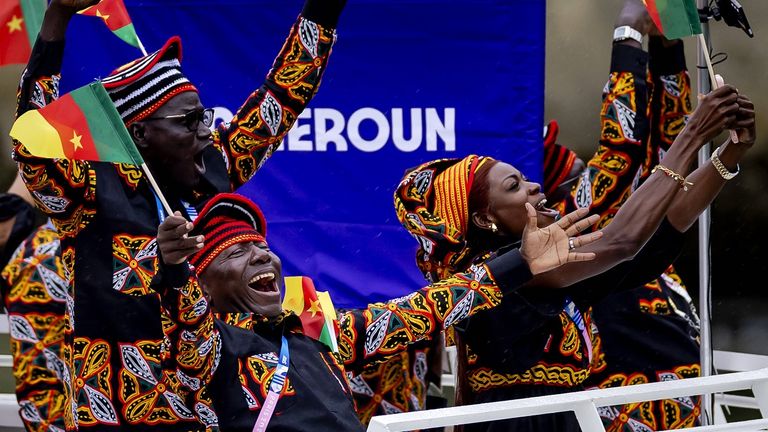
589	419
760	390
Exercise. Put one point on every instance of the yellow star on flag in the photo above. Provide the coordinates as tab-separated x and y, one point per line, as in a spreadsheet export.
76	140
14	24
315	307
104	17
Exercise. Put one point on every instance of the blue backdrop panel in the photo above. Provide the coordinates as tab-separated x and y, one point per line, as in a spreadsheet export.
409	81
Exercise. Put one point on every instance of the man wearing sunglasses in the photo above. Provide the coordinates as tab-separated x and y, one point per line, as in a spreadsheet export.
116	370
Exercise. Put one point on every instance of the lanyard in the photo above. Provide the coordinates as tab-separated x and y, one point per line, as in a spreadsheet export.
575	315
275	388
188	208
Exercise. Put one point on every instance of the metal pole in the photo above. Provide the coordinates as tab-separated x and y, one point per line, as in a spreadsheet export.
705	286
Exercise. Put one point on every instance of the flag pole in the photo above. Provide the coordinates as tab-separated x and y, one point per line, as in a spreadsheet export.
156	188
705	81
141	46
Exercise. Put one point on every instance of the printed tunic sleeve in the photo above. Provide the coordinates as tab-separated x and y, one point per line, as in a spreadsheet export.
194	340
670	104
616	167
373	334
36	299
259	126
63	189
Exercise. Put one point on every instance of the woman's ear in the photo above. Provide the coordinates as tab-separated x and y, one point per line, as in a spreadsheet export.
484	221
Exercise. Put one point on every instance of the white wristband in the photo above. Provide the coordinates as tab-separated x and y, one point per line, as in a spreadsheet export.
627	32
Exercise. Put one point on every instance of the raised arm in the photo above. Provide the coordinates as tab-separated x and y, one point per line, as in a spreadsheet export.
259	126
707	179
193	337
62	189
383	329
644	211
613	170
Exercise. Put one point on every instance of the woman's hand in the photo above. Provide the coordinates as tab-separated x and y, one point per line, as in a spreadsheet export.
745	121
548	248
175	246
717	111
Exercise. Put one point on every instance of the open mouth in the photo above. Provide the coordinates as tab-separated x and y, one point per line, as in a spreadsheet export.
541	208
264	282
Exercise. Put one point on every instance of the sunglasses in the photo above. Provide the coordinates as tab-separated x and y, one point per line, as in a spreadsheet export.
191	119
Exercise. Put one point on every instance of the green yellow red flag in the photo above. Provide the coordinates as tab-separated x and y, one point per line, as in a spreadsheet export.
675	18
82	125
315	309
21	21
116	17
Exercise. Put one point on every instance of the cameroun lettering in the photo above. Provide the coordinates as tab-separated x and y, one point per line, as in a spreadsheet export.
368	130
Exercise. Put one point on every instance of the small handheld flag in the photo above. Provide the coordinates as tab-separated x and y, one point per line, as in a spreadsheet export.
116	18
675	18
20	21
81	125
680	18
313	308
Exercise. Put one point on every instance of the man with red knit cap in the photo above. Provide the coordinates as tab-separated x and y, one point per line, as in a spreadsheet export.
115	355
254	362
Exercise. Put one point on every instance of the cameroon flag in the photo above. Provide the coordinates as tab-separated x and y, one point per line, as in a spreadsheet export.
116	17
82	125
314	308
21	21
675	18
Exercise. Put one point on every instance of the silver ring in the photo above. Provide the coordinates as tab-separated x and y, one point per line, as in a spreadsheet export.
571	246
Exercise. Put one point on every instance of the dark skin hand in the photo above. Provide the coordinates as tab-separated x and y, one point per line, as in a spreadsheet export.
707	182
57	17
175	246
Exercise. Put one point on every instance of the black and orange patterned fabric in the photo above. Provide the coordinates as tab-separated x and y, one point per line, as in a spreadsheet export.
396	385
36	300
540	343
107	220
648	334
544	342
233	358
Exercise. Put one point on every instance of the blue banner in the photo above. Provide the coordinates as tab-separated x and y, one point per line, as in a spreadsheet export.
408	81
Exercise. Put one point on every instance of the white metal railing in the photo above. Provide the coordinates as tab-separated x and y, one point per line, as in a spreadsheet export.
585	404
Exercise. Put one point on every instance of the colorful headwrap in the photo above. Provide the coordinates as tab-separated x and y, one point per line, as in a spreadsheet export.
227	219
142	86
558	160
432	203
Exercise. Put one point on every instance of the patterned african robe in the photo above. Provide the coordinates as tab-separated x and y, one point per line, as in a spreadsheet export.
551	355
648	334
235	370
36	299
396	385
107	220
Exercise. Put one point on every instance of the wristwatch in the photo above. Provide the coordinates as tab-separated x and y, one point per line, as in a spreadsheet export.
627	32
724	173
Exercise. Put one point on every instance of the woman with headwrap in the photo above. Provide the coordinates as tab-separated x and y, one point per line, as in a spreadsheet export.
538	341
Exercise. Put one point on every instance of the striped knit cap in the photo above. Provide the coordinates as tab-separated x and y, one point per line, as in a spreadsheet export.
558	160
432	203
227	219
142	86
